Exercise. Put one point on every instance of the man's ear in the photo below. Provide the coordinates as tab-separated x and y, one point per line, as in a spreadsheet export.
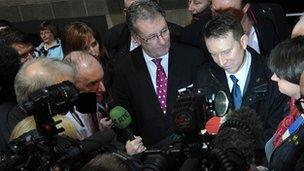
245	8
136	38
244	41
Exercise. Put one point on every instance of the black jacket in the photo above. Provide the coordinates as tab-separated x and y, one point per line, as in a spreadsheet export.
268	20
133	89
262	93
10	115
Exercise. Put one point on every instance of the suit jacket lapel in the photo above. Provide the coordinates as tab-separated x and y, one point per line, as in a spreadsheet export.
125	37
142	75
263	31
173	81
257	86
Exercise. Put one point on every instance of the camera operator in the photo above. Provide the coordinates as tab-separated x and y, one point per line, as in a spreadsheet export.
89	78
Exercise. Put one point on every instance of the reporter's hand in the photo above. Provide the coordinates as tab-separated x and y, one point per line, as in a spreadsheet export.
135	146
106	123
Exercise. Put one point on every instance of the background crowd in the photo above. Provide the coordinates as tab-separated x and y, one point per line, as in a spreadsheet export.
248	50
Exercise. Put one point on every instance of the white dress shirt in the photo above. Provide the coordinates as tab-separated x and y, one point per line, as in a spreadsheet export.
152	67
253	41
241	74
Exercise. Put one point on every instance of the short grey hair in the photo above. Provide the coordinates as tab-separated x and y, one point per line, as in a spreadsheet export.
39	73
142	10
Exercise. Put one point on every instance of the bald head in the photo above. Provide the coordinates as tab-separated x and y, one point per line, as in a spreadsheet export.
298	29
40	73
88	72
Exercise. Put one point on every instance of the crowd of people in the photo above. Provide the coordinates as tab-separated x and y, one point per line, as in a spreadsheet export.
243	48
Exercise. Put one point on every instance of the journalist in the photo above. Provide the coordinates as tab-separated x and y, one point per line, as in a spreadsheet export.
284	150
89	76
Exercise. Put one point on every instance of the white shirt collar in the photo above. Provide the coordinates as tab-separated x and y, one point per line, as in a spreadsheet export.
253	41
152	67
241	74
133	44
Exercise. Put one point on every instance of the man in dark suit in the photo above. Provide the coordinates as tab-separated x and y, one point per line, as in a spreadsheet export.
119	42
265	24
146	81
241	72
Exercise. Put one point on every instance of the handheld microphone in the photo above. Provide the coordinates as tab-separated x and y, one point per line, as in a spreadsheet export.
122	119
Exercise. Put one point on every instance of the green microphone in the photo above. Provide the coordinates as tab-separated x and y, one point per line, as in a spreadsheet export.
122	119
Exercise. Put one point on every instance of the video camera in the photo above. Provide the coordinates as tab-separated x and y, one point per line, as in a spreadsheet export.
190	147
230	150
43	148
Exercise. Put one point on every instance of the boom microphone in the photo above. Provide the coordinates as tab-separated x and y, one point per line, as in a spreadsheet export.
237	144
122	119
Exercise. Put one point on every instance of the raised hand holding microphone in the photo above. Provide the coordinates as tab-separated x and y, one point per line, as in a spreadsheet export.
122	119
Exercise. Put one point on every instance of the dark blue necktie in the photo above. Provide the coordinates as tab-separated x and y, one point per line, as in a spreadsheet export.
236	93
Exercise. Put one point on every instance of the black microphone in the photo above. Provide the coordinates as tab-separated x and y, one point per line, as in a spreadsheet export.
122	119
237	145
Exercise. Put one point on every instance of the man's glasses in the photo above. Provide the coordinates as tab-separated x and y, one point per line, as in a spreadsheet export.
300	104
164	33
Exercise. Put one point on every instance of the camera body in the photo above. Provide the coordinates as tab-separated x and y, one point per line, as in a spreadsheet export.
43	148
190	148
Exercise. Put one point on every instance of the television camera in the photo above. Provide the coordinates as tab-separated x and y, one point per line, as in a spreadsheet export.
190	148
44	147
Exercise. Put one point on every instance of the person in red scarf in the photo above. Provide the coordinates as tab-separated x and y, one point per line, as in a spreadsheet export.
285	150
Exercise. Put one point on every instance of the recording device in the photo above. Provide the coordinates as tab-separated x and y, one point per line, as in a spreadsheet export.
189	147
60	98
237	144
233	149
192	109
43	148
122	119
201	151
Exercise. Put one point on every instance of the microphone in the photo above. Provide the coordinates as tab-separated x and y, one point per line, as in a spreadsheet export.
238	141
122	119
96	143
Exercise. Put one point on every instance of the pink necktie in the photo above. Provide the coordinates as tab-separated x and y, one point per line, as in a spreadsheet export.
161	84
